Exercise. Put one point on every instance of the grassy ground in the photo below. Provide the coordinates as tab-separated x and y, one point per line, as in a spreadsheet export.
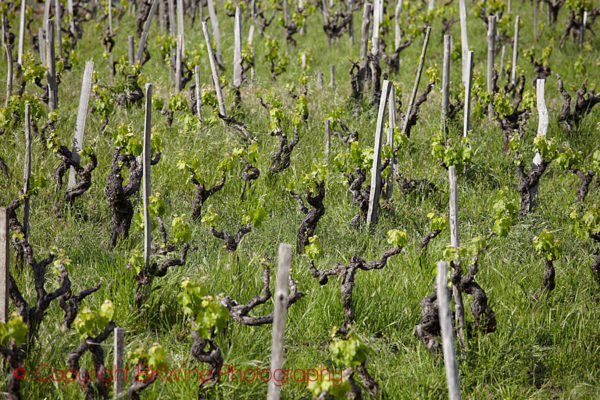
548	349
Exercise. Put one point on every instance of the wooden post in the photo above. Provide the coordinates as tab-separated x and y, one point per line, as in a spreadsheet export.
250	38
281	300
9	71
303	60
464	39
327	138
71	14
237	49
213	67
42	46
214	22
332	73
509	6
320	79
146	156
467	107
582	36
431	5
351	23
178	64
131	50
51	65
118	368
198	93
376	168
84	98
459	310
180	24
171	6
376	21
57	16
162	16
491	41
110	25
286	12
21	32
389	187
4	263
535	20
446	80
502	54
447	332
541	132
47	5
27	169
417	79
142	44
513	74
364	33
397	29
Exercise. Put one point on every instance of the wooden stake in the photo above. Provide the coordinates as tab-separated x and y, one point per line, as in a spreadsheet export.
27	169
582	36
535	20
178	64
4	263
464	38
446	80
389	187
397	29
327	138
84	98
376	168
9	72
180	24
21	32
467	107
513	74
213	67
286	13
431	5
146	156
110	25
71	14
281	300
447	332
237	49
332	74
214	22
58	29
459	309
118	368
51	65
320	79
351	23
417	79
47	5
131	52
491	41
541	132
171	6
198	93
502	54
42	46
142	44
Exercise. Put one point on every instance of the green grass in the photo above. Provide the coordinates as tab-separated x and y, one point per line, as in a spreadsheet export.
548	349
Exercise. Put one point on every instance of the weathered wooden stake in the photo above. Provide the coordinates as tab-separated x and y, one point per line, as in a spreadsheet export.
541	132
214	22
286	12
583	28
535	20
491	41
332	74
502	54
110	26
213	67
327	138
71	14
42	46
142	44
351	23
21	32
47	5
467	107
180	12
146	156
237	49
431	5
459	309
464	38
178	64
446	80
376	168
198	92
9	71
413	96
447	332
389	186
4	263
281	300
131	50
51	68
119	364
509	6
513	74
27	169
84	98
58	29
397	29
320	79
